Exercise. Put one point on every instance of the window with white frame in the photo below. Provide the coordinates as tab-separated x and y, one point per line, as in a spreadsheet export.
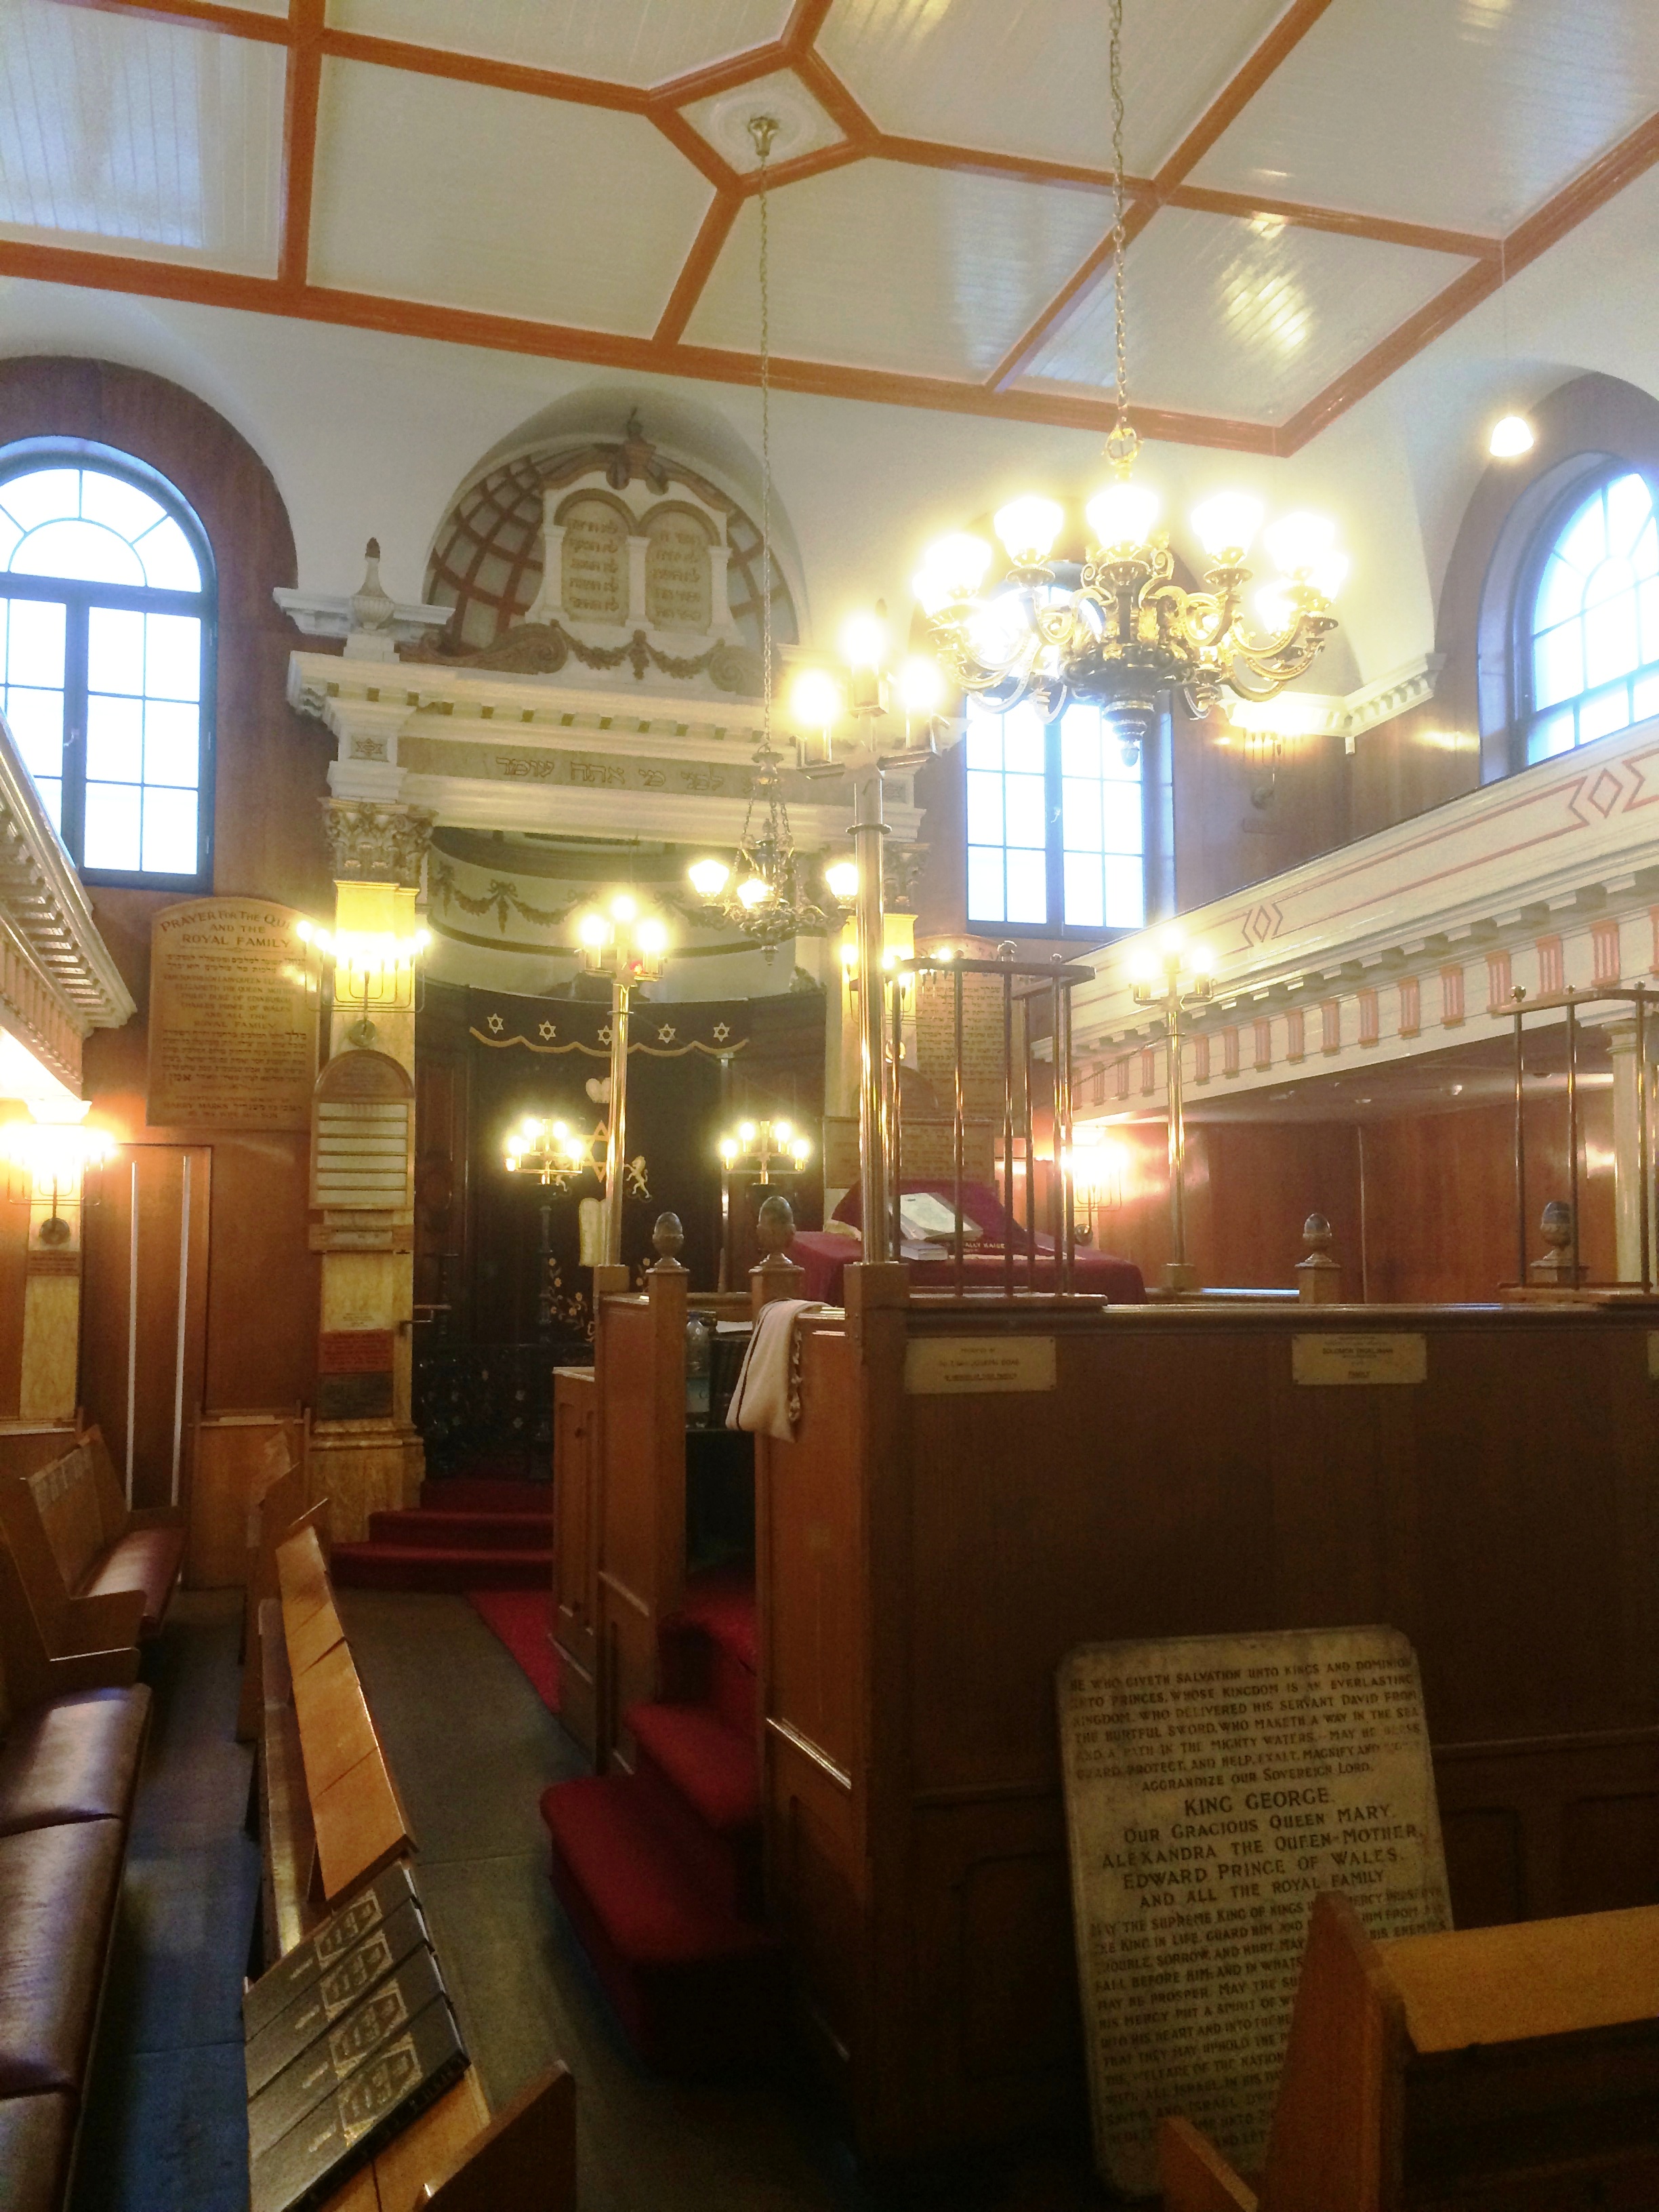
107	660
1591	652
1056	822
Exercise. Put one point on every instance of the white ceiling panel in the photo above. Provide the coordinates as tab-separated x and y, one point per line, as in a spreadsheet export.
884	265
1464	113
641	42
1249	320
472	198
130	136
1030	76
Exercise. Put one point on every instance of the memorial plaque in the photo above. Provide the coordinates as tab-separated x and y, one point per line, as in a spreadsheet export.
593	562
1213	1785
678	589
233	999
1331	1357
960	1366
982	1056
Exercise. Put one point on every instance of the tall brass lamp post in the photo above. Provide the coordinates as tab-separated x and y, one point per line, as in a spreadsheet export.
1174	978
629	947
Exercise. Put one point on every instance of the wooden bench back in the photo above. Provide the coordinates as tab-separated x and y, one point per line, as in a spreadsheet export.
66	1503
359	1820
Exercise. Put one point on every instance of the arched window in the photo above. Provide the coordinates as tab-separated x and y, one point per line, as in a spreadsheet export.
1590	635
106	658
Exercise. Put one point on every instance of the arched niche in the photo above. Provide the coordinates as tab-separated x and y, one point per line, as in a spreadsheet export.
1585	429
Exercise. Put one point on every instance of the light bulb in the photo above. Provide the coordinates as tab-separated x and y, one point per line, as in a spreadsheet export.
1122	515
801	1148
864	641
304	931
1511	435
1028	528
651	935
423	938
511	1163
708	877
1201	960
1329	575
748	1132
1298	543
781	1130
323	941
932	594
815	699
728	1149
561	1129
1228	523
849	956
920	685
959	563
624	906
1273	609
753	892
843	878
593	931
999	629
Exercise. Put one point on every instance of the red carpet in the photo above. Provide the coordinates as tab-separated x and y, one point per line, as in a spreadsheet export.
465	1535
523	1621
659	1870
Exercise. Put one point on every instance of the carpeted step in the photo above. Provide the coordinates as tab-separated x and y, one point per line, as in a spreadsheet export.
698	1989
425	1527
715	1768
471	1493
708	1649
416	1567
700	1782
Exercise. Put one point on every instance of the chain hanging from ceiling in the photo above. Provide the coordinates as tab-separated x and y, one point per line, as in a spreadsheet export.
761	893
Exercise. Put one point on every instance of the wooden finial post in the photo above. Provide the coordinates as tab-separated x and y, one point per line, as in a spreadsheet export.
1555	1270
776	1277
667	1241
1318	1278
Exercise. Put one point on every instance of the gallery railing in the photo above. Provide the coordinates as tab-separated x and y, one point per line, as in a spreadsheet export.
1023	989
1642	999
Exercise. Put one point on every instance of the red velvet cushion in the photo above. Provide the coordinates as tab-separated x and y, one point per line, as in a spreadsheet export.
73	1759
143	1560
57	1893
35	2135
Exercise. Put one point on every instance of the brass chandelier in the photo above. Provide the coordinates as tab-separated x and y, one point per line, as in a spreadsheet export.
1118	631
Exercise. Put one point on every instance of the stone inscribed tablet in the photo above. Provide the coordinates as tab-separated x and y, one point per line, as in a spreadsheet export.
1213	1784
233	999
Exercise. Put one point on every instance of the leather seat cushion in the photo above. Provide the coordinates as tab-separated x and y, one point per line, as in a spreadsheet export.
73	1759
143	1560
35	2136
58	1889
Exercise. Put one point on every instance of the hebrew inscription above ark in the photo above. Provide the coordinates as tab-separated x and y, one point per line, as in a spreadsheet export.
1214	1785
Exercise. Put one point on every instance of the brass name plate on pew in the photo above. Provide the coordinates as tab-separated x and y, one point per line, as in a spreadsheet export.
1328	1358
946	1366
1214	1785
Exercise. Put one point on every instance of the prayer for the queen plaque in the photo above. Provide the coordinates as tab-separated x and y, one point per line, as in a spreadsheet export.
1213	1785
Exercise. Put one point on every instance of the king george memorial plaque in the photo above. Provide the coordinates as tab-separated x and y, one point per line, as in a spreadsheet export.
1213	1785
234	1001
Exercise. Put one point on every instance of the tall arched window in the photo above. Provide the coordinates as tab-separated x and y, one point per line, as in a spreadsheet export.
106	658
1590	640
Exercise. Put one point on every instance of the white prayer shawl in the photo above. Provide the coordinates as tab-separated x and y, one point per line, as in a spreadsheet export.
767	1398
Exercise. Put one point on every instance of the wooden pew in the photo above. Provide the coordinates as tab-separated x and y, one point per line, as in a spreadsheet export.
925	1557
330	1820
283	1505
1505	2069
80	1546
34	1669
233	1458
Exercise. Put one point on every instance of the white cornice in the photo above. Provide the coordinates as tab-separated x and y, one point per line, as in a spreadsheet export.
1339	714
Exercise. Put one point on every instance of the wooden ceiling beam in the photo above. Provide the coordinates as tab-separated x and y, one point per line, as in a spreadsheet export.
1025	349
723	76
112	272
306	20
1633	155
480	68
1241	88
837	102
194	15
697	149
699	266
1380	230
